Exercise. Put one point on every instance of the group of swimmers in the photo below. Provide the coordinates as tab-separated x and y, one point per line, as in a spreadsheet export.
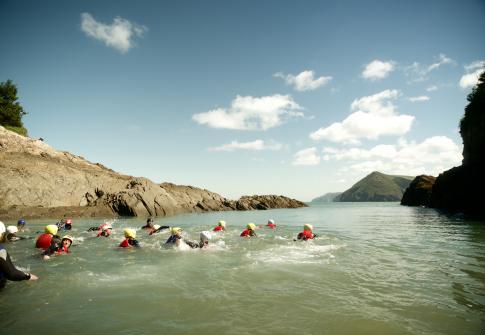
52	244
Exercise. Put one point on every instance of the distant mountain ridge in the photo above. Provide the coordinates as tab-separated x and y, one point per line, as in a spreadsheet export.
327	197
377	187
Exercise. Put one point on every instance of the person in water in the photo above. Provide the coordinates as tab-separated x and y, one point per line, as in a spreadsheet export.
307	233
7	270
249	231
21	225
271	224
149	224
221	226
176	237
65	224
157	229
104	230
205	237
12	234
58	246
44	240
130	239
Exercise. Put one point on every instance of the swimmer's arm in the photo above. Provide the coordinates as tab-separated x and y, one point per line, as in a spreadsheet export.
10	271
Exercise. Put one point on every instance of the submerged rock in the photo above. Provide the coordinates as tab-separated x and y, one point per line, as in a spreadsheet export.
39	181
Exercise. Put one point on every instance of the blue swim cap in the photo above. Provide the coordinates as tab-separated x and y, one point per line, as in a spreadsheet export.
21	222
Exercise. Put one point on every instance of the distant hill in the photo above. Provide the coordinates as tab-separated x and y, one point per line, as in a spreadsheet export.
328	197
377	187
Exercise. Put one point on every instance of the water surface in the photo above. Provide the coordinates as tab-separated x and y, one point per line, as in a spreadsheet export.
376	269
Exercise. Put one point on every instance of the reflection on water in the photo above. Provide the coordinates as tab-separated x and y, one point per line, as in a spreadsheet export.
376	269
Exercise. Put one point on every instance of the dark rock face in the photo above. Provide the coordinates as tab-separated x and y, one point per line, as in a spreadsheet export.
461	189
419	191
263	202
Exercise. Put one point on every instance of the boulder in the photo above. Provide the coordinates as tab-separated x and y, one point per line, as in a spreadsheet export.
418	192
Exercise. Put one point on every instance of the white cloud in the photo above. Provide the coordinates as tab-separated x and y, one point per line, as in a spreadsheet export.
432	88
420	72
373	116
118	35
252	113
419	98
473	71
377	69
432	156
304	81
256	145
307	157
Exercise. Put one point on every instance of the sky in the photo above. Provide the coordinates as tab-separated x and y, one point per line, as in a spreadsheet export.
297	98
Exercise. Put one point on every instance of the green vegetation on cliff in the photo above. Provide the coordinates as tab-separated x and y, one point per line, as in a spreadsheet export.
377	187
11	112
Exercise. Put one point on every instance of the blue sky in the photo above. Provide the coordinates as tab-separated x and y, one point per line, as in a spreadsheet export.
298	98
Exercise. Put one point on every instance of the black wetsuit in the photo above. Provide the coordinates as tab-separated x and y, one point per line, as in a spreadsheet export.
8	270
160	229
54	247
173	239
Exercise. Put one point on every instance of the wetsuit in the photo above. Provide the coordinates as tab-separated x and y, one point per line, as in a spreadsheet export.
305	235
8	270
104	233
127	242
173	239
271	225
248	232
218	228
56	247
14	238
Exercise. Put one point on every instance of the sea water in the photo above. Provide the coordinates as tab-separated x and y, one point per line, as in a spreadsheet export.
376	268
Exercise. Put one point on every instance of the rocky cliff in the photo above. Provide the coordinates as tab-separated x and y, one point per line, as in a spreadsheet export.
419	191
462	188
326	198
39	181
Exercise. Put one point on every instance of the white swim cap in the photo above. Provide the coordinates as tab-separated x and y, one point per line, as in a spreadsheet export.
12	229
205	236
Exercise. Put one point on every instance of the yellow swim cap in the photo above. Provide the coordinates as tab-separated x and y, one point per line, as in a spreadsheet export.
174	230
308	227
251	226
51	229
129	233
222	223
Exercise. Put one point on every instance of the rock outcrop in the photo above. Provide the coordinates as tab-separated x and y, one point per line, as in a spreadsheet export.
39	181
462	188
376	187
419	191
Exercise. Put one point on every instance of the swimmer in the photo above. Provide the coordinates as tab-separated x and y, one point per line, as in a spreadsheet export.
44	240
307	233
271	224
64	224
21	224
205	237
104	230
175	238
221	226
249	231
12	234
7	270
157	229
58	246
149	224
130	239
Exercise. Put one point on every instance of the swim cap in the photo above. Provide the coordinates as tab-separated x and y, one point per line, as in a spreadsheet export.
21	222
2	228
12	229
308	227
205	236
68	237
129	233
174	230
51	229
105	226
271	221
251	226
69	221
156	226
222	223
